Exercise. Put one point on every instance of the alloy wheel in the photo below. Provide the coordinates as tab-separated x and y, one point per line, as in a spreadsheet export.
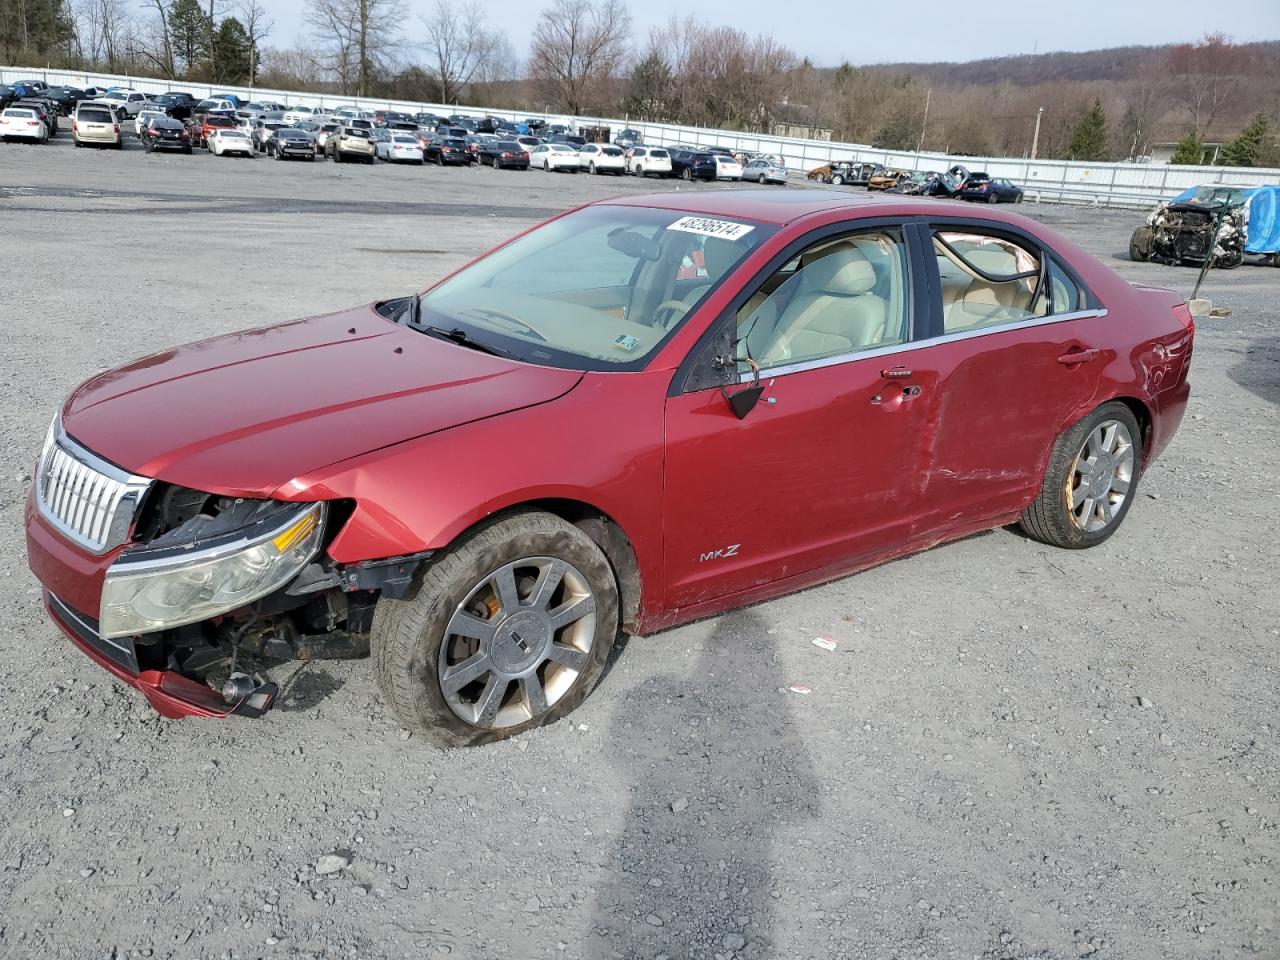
1101	476
518	642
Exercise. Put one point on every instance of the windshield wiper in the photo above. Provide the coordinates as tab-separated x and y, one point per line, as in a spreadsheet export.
462	338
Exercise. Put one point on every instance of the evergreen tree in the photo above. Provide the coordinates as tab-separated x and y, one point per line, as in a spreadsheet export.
231	53
1189	151
189	29
30	29
1089	140
649	89
1244	150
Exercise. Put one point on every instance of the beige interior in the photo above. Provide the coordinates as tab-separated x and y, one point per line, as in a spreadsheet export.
969	300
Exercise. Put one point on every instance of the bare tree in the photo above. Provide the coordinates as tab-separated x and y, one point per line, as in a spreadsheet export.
578	48
458	46
358	37
102	29
154	45
1205	75
258	26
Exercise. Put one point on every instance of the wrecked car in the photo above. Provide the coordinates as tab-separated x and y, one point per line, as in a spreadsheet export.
1181	231
927	183
887	179
727	398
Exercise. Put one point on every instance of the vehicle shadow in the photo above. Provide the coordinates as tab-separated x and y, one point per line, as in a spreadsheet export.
717	769
1259	371
306	687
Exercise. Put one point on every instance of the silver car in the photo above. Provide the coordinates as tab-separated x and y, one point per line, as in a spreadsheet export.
765	170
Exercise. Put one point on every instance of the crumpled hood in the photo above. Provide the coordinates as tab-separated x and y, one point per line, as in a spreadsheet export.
245	413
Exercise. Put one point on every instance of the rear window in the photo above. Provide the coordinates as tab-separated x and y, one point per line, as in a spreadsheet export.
94	116
19	113
612	152
658	153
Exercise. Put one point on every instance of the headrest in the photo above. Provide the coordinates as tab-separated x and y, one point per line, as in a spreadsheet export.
844	272
996	261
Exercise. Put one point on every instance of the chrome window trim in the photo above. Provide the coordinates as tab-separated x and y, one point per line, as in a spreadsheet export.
767	373
133	488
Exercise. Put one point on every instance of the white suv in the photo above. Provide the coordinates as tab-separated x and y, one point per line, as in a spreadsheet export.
602	158
643	161
126	101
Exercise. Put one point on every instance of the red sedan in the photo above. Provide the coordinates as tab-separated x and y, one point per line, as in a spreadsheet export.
641	412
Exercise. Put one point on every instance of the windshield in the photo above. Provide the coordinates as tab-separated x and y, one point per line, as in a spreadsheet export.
1216	193
597	289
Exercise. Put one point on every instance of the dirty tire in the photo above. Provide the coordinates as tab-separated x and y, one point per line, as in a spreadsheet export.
1048	519
407	634
1140	245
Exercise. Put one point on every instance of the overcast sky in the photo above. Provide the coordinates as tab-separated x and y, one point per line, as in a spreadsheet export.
833	31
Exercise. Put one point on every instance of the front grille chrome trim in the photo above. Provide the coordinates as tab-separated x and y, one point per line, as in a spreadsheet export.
89	500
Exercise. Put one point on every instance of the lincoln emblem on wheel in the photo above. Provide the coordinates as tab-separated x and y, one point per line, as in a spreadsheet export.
847	378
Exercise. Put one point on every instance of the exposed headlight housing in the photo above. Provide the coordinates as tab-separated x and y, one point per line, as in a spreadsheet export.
156	589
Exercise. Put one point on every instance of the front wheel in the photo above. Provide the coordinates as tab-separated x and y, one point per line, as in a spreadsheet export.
509	630
686	174
1090	481
837	180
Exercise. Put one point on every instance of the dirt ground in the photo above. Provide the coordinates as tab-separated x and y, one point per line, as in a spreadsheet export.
1013	752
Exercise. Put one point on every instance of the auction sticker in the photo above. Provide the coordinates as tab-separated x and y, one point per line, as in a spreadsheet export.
724	229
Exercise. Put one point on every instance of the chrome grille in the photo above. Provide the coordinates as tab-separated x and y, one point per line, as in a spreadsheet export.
90	501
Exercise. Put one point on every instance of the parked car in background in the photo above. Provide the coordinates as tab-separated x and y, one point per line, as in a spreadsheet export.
225	141
399	147
555	157
447	151
322	135
628	138
215	105
644	161
44	109
65	98
886	179
691	164
176	104
985	189
7	95
298	114
261	129
428	120
234	99
96	124
146	116
350	144
569	138
1214	221
765	170
166	133
210	122
504	155
22	123
603	158
290	142
126	102
850	172
528	141
727	168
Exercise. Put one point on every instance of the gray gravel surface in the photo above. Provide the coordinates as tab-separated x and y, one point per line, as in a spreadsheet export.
1012	752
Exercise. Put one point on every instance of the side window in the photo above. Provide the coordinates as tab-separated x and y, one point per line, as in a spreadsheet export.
986	280
841	296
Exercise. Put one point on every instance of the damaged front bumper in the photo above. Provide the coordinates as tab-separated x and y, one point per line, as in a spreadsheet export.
170	693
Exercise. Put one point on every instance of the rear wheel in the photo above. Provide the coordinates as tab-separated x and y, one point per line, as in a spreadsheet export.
993	197
763	180
1140	245
509	630
1090	482
686	174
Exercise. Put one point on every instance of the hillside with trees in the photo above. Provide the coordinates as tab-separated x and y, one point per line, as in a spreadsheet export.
584	58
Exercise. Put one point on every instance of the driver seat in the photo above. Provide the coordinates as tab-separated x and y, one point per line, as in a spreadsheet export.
834	310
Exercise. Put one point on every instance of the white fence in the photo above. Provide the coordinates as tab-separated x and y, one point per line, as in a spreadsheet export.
1057	181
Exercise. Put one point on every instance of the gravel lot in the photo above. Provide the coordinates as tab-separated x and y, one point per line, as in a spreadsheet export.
1013	752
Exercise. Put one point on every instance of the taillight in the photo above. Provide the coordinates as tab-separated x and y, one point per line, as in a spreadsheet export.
117	128
506	156
74	128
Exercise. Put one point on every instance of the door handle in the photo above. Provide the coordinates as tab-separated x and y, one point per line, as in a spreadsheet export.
1072	357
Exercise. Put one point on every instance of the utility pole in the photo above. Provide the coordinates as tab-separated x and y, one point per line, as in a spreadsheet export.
1035	137
928	95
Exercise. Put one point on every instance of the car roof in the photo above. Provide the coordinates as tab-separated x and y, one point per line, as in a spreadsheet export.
782	206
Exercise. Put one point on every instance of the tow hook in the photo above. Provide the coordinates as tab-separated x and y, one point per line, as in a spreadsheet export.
246	696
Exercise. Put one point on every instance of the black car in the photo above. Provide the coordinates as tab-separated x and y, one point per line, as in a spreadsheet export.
7	95
694	164
984	189
166	133
286	142
428	120
504	154
447	150
176	104
568	138
66	98
397	121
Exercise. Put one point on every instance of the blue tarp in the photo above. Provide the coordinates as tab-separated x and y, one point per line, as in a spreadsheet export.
1263	232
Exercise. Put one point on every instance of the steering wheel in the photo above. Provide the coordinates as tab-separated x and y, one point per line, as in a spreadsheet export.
514	321
677	309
